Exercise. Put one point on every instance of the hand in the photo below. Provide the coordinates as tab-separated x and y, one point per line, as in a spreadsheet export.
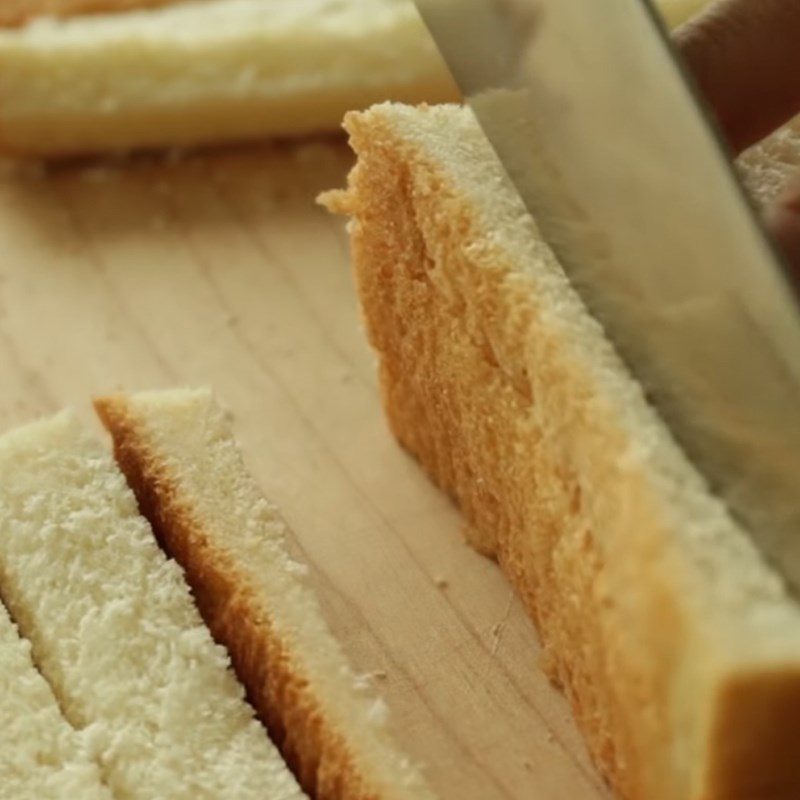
745	57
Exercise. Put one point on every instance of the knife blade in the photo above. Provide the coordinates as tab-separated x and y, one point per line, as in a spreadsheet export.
602	134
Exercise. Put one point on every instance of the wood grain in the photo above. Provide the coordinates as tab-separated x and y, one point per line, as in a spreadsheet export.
220	270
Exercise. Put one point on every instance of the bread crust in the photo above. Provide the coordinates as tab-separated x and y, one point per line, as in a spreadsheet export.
201	122
315	750
14	13
82	100
482	394
426	410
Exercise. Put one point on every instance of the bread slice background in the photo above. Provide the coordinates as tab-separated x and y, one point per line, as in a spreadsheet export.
210	72
115	632
677	646
177	450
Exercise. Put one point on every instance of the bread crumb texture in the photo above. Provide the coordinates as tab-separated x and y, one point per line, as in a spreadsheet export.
676	12
178	452
42	757
208	72
678	648
114	630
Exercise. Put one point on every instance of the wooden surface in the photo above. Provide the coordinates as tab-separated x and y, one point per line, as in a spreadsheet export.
221	270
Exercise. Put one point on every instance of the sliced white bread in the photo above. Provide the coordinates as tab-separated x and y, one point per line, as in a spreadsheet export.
115	632
42	757
214	71
18	12
677	645
179	455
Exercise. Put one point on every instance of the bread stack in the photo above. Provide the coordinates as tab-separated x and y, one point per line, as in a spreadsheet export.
113	685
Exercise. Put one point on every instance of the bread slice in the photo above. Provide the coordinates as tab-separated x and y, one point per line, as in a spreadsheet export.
677	646
42	757
115	632
18	12
769	167
179	455
206	72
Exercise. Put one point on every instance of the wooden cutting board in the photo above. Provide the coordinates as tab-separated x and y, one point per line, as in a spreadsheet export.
220	270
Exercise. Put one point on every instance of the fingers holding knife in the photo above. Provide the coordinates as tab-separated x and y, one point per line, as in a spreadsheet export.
745	58
783	221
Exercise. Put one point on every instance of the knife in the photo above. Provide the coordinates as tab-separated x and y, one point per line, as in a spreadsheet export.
605	139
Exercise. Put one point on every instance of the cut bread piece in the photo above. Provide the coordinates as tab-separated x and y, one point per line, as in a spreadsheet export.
212	71
115	632
18	12
179	455
42	757
677	646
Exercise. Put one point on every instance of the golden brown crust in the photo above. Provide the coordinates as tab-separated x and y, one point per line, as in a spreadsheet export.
14	13
437	385
314	749
454	343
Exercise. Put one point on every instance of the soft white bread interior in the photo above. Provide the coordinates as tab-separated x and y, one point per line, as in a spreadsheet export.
678	647
114	630
200	72
42	757
18	12
178	452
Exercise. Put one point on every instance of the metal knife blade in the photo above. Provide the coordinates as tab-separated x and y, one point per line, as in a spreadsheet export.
603	137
